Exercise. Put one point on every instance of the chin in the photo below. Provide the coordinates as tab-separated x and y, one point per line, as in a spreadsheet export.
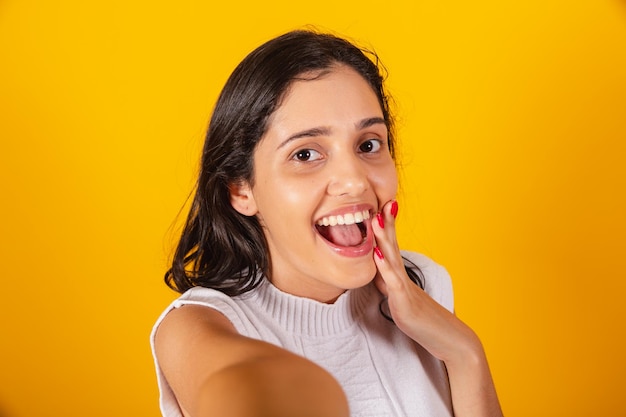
358	274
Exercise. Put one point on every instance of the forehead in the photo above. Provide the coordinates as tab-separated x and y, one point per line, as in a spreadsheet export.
332	96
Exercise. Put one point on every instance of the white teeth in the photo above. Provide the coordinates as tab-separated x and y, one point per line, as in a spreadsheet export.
348	218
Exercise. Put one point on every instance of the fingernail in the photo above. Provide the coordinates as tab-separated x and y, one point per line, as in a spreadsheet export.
394	209
381	223
378	253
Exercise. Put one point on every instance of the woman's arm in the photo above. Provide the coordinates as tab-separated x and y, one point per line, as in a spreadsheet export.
214	371
435	328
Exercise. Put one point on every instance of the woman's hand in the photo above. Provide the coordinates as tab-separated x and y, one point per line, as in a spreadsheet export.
415	312
431	325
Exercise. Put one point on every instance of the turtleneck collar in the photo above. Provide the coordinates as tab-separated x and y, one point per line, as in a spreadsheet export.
312	318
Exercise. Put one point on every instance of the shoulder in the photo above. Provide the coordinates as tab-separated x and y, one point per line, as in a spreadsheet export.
200	317
216	301
203	361
179	336
186	322
437	281
193	342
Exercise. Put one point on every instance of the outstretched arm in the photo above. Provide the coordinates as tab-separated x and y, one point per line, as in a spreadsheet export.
214	371
434	327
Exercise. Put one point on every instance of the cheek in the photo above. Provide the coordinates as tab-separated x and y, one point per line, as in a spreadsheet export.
285	201
294	193
386	182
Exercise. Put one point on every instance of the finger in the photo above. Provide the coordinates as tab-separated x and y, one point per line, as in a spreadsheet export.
385	218
383	227
389	274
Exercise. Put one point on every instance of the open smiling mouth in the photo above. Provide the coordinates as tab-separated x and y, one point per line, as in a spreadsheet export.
348	230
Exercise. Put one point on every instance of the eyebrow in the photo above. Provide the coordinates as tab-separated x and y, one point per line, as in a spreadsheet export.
321	131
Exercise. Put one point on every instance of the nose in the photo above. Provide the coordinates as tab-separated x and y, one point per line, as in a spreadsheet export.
348	176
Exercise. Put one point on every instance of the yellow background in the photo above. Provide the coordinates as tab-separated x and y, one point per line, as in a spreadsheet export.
513	128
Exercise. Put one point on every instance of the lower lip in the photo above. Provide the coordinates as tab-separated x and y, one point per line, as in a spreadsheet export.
365	248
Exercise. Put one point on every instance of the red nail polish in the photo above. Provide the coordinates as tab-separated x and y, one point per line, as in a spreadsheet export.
394	209
379	253
381	222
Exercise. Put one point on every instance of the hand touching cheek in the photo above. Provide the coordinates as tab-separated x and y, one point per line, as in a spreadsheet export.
412	309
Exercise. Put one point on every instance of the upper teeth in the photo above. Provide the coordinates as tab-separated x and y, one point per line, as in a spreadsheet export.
348	218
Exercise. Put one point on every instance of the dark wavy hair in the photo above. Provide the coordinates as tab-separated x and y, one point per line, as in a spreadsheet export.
220	248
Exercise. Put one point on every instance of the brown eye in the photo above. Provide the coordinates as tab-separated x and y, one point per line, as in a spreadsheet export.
306	155
369	146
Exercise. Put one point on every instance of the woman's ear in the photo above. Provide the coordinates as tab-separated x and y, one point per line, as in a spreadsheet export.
242	199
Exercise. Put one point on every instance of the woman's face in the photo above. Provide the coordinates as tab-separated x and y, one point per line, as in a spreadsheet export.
323	161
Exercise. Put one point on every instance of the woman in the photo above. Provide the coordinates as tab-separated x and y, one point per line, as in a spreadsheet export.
296	298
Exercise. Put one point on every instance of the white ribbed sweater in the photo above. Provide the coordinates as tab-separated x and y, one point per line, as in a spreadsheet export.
383	372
